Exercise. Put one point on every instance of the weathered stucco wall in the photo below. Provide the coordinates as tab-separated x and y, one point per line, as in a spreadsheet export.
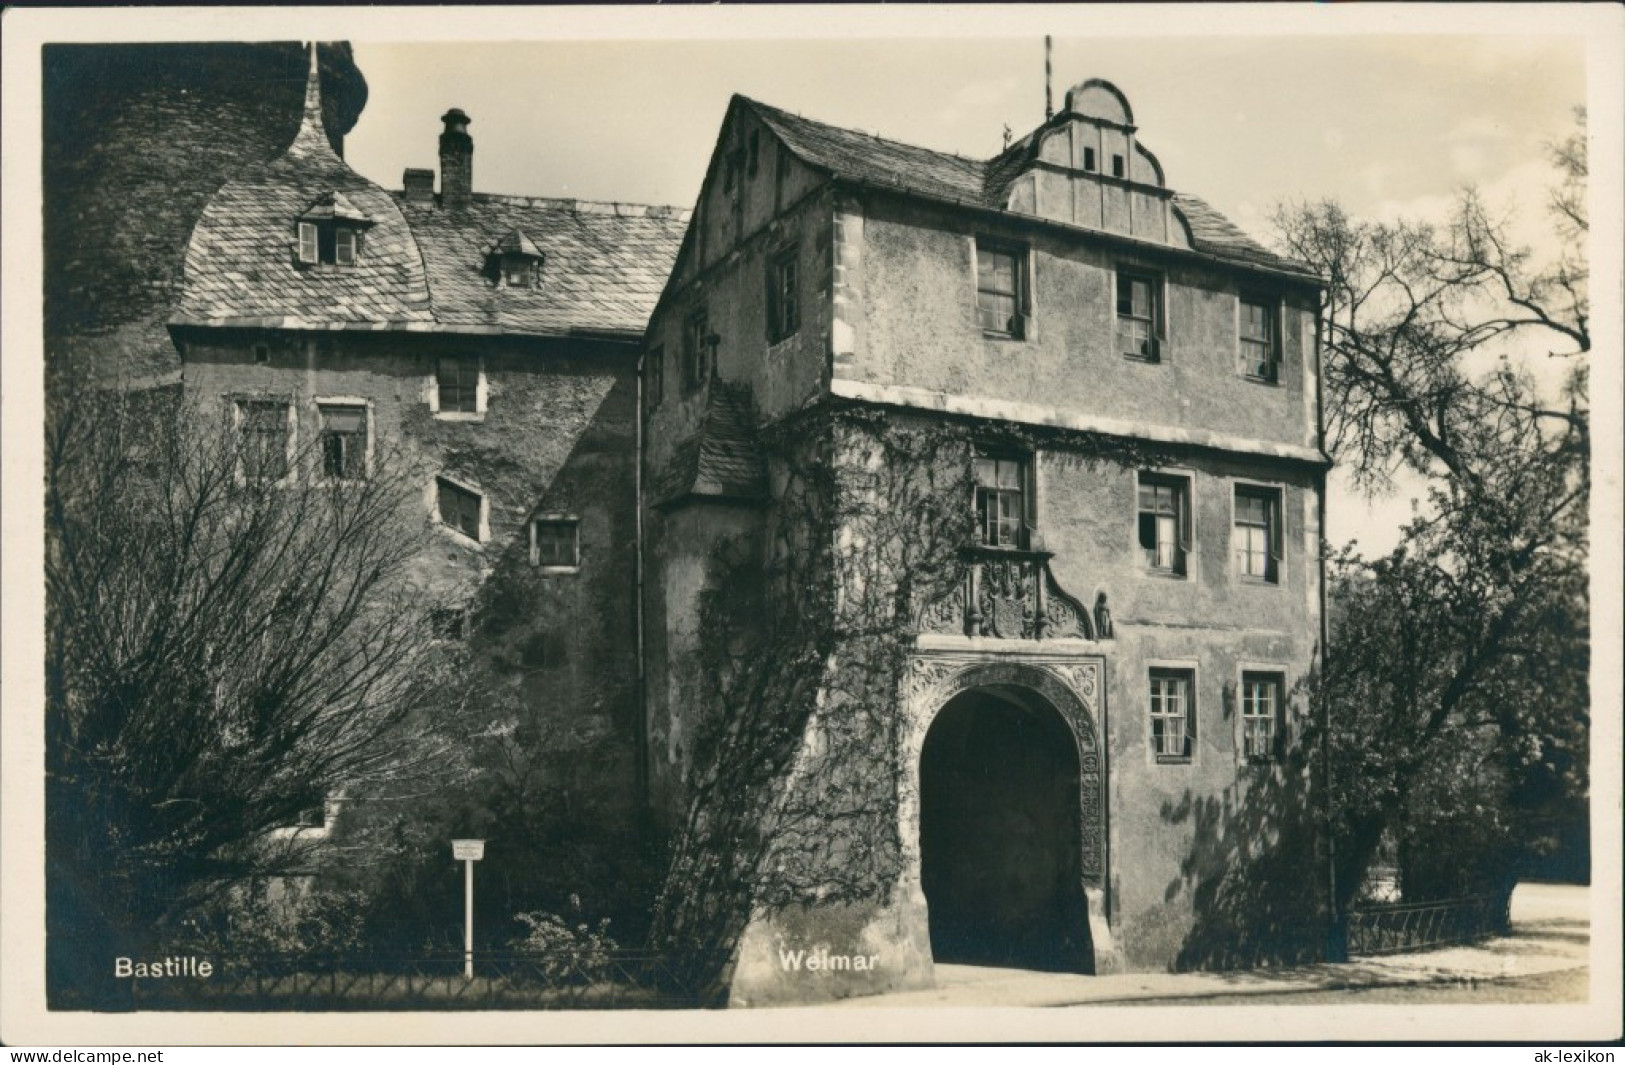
557	437
919	330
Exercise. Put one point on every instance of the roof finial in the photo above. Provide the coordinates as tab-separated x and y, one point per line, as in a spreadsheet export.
312	133
1049	99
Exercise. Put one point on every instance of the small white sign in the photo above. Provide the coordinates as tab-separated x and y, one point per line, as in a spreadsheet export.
468	850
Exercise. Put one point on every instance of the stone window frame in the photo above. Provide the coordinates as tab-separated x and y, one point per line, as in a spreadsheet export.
1276	673
699	349
559	519
1184	482
369	435
1274	322
236	403
481	390
1027	466
1166	669
1274	496
1157	318
467	487
784	300
1021	294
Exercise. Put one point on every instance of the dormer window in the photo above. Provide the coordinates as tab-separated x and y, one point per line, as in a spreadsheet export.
515	261
330	231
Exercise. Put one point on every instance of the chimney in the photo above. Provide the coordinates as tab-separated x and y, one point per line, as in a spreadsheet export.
419	185
456	160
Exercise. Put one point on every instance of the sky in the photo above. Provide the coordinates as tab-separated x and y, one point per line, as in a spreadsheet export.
1388	125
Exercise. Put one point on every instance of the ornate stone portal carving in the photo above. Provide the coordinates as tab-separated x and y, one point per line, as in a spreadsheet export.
1006	595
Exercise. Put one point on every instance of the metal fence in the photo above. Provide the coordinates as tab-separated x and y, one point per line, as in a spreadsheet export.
1397	927
603	979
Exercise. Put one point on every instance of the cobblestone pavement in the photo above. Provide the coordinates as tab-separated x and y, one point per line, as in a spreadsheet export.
1550	936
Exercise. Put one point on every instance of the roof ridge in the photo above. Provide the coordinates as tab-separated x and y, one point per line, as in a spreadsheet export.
579	206
969	159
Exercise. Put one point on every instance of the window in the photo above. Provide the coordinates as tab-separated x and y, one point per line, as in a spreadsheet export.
518	271
1258	533
1173	714
343	441
654	377
554	543
1261	708
1259	355
1001	291
459	507
457	384
266	426
1117	166
1138	315
1165	523
1001	501
696	350
328	242
783	308
344	243
262	353
307	242
1089	159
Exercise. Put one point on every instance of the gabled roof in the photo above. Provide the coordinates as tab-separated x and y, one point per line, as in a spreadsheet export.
603	264
722	459
868	159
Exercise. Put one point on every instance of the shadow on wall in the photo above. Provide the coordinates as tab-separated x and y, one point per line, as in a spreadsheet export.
1255	873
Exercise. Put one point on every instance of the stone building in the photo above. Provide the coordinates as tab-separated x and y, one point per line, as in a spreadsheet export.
492	339
1025	457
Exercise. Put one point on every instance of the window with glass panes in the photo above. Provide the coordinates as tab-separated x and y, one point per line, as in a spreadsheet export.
458	383
264	427
1258	533
1164	522
1257	340
344	442
1001	501
553	542
459	508
1137	315
1172	714
1000	300
696	350
783	308
1260	715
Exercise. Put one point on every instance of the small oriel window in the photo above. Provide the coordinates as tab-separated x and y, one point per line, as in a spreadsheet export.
1138	315
1173	714
1164	523
1260	355
459	507
783	305
1002	297
1258	533
343	441
1001	501
555	543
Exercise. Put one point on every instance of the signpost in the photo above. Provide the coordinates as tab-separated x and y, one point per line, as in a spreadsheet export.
468	851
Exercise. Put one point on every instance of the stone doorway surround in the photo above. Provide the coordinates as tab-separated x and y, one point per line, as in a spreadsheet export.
1070	675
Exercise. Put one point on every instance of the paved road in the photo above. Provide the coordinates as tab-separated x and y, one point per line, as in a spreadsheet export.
1543	960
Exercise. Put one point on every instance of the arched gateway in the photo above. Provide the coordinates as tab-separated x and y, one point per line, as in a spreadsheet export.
1005	811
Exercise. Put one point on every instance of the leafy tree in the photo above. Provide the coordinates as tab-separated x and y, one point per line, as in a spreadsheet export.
225	651
1456	674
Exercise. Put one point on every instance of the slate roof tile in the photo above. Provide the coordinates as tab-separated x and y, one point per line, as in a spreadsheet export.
870	159
722	459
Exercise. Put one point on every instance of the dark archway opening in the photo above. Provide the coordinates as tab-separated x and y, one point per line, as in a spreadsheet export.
1000	852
